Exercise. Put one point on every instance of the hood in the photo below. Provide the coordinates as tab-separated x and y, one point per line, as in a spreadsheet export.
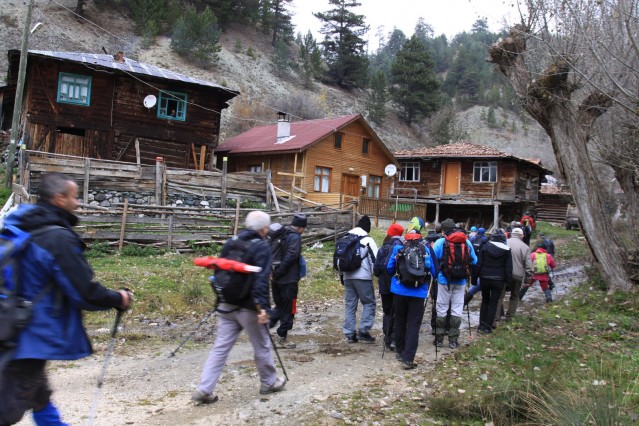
413	236
32	216
495	249
358	231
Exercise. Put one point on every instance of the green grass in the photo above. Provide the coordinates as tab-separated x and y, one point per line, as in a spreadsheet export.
573	244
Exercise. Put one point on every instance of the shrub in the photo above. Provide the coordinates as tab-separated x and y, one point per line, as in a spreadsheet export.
98	250
138	251
197	37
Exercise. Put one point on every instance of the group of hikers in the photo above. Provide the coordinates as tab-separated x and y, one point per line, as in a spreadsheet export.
413	265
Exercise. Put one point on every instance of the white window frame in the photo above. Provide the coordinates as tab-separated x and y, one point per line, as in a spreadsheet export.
322	179
413	166
374	186
485	171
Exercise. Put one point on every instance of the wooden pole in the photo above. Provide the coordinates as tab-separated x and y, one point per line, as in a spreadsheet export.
87	174
354	214
237	217
496	216
170	236
137	152
123	225
202	156
158	180
225	163
277	205
269	201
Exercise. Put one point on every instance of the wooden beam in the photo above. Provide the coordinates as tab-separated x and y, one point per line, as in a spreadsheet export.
202	156
123	225
195	164
87	176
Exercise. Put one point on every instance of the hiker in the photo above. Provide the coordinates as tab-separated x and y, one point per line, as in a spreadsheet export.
522	273
455	254
56	330
285	280
358	285
550	248
542	264
478	242
472	233
495	269
393	238
527	219
251	315
430	242
411	268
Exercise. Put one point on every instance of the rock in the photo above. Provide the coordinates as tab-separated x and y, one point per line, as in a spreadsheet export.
484	377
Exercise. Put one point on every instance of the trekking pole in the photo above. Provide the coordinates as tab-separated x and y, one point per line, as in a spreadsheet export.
470	333
391	320
276	352
187	338
107	359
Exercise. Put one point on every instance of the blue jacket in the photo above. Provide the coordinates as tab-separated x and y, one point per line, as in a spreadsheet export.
438	248
402	290
55	258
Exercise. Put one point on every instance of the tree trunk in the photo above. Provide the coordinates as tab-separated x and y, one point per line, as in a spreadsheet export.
630	186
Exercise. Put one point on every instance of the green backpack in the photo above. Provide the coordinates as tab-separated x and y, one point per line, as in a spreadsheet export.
540	264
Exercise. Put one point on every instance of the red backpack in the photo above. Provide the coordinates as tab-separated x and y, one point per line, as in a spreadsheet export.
455	261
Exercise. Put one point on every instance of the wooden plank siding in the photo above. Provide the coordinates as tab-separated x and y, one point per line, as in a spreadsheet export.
107	128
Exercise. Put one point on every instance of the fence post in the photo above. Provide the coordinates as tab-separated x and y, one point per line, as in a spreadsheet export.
237	217
354	214
225	162
268	189
124	211
170	237
158	180
87	174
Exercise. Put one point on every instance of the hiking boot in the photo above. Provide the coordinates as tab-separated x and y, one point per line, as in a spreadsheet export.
351	338
283	343
483	329
366	337
548	295
408	365
439	340
279	384
453	343
200	397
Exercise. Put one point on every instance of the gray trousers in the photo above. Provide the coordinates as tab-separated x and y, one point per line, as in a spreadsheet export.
356	291
513	302
229	327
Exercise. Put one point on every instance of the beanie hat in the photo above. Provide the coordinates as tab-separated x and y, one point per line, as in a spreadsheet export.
299	220
395	230
499	236
518	232
432	236
415	224
447	225
473	229
481	231
364	222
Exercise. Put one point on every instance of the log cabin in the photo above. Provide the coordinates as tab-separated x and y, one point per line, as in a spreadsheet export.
115	108
469	182
326	161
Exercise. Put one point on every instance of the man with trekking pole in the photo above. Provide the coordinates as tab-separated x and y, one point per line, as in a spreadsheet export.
53	268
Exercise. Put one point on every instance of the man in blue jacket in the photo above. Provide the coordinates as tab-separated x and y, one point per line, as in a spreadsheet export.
56	331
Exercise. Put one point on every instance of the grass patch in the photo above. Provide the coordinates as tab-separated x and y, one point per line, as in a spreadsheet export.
573	244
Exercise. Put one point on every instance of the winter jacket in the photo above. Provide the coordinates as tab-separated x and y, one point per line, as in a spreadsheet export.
379	269
55	259
260	256
364	272
549	260
391	267
438	248
494	263
288	270
522	263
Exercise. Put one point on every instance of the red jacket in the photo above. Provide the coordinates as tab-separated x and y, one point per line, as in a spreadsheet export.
549	260
530	220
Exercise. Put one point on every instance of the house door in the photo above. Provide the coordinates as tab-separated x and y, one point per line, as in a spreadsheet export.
452	174
351	185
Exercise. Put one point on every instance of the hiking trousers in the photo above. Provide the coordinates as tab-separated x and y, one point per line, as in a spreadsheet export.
356	291
513	300
229	327
433	315
491	291
387	308
285	298
409	312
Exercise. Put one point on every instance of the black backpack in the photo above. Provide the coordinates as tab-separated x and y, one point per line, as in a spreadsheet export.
346	257
16	311
235	287
455	261
275	239
383	255
478	242
411	270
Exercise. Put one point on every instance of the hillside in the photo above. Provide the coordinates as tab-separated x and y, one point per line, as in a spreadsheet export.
245	65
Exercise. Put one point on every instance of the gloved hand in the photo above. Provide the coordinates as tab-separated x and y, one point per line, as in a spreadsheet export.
127	299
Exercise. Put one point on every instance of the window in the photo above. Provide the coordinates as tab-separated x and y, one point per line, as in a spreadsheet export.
485	171
337	143
366	146
322	180
409	172
74	89
172	105
255	168
374	186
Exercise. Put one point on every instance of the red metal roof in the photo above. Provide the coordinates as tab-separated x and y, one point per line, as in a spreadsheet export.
303	134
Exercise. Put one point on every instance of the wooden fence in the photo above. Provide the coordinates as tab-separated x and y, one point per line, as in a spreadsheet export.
391	208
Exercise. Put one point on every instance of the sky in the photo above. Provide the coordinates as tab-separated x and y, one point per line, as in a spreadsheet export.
448	17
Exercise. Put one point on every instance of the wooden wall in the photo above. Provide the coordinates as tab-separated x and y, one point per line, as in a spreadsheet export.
116	117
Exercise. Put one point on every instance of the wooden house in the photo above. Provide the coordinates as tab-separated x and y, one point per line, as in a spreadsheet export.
327	161
469	182
115	108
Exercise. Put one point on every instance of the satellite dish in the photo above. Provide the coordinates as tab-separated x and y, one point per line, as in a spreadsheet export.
390	170
150	101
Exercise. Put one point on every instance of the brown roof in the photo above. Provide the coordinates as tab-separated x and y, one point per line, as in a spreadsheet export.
463	150
303	135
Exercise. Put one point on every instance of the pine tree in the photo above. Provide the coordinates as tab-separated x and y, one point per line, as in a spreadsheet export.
281	58
310	58
196	35
343	44
378	98
415	88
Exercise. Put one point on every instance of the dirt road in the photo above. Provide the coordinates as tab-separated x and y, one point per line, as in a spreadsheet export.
145	387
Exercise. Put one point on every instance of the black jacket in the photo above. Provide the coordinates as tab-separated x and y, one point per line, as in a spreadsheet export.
288	270
379	269
494	262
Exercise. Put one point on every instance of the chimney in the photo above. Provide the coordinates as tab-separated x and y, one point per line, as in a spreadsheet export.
283	127
118	57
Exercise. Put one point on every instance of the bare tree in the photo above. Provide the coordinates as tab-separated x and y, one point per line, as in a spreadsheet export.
570	62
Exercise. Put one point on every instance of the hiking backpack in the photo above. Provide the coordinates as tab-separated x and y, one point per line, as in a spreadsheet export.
347	256
235	287
478	242
411	264
275	238
455	261
540	264
383	255
16	311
